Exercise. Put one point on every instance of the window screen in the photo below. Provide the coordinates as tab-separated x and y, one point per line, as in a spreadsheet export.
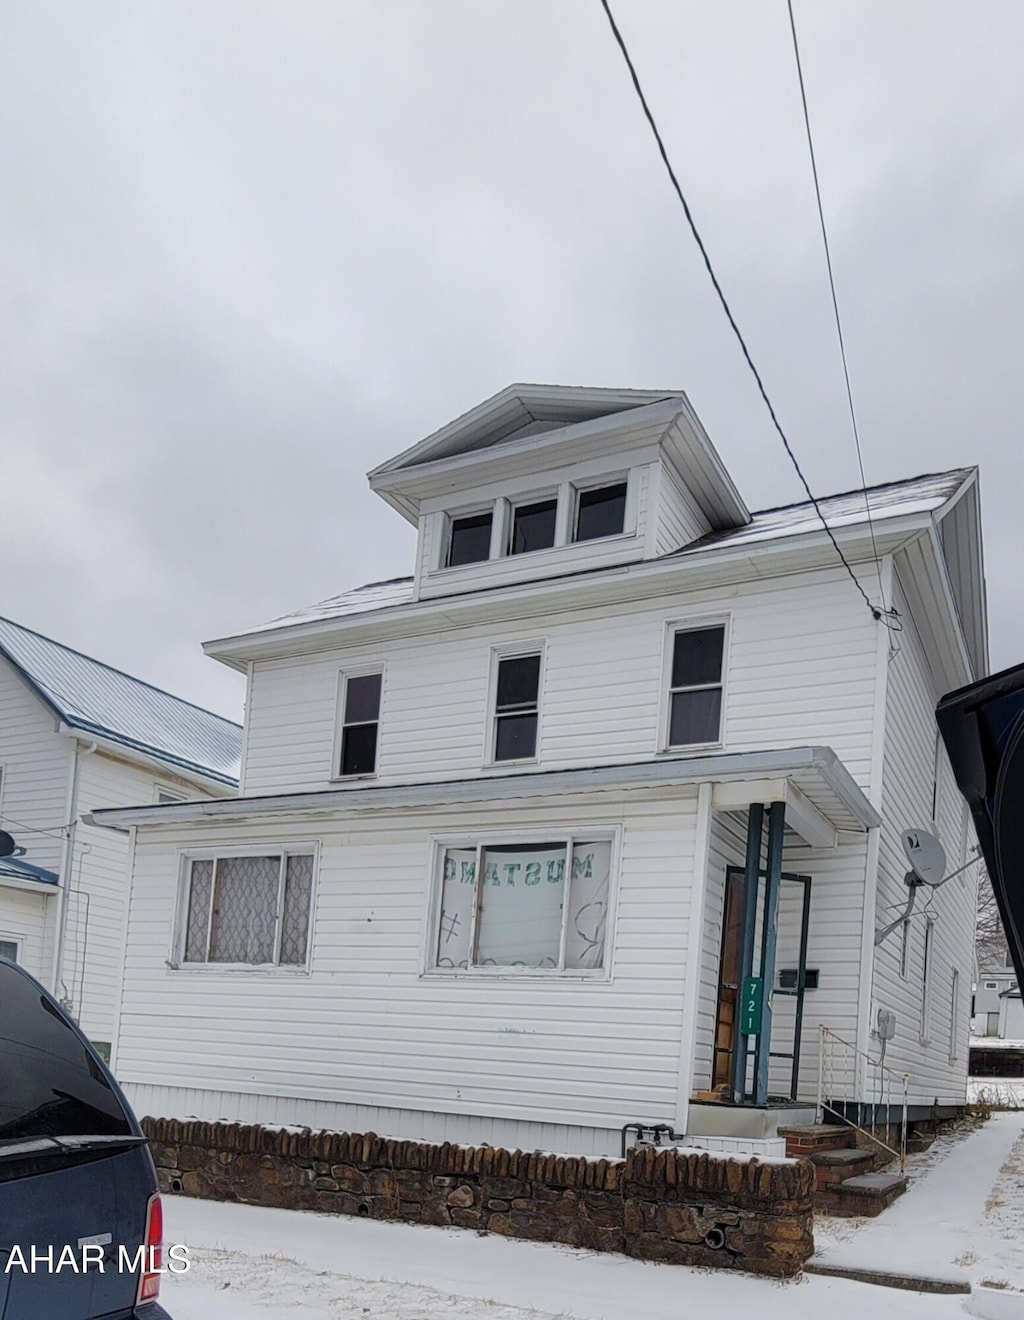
600	512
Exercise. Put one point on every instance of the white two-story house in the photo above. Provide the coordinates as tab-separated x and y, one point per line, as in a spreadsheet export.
76	735
515	834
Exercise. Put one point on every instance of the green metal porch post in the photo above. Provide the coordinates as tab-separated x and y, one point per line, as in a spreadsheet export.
751	879
769	939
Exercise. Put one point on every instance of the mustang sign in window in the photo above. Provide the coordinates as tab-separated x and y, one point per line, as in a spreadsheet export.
252	909
537	905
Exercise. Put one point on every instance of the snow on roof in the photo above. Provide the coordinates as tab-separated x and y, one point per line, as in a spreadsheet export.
97	699
896	499
893	500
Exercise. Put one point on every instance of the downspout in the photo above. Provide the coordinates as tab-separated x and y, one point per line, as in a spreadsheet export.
66	872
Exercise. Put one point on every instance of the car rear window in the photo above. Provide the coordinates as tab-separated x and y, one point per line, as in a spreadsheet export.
50	1084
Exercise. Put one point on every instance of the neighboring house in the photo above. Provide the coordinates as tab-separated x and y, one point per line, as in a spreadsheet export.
76	735
989	997
511	831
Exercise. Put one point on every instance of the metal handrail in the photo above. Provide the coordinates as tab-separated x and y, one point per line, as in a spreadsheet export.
828	1085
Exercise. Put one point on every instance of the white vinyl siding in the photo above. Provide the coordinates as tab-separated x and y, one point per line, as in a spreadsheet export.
789	682
37	768
96	897
26	921
908	777
367	1028
679	520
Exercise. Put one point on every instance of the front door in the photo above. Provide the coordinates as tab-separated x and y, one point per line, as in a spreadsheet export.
787	928
728	983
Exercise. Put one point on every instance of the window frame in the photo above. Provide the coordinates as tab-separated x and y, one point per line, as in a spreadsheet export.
483	839
176	962
169	795
954	1015
457	515
18	941
698	623
512	651
927	972
577	489
344	675
565	491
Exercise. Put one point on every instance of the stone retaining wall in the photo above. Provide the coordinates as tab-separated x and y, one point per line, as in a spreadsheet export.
683	1207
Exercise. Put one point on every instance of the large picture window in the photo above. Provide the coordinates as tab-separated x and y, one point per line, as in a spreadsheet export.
695	686
524	905
252	910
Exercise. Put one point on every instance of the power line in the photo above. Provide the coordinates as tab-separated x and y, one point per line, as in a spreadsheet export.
877	613
835	300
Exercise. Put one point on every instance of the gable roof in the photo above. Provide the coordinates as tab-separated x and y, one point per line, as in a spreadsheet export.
519	411
894	499
532	423
89	695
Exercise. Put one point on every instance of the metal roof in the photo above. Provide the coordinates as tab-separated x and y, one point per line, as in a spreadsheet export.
107	703
16	869
894	500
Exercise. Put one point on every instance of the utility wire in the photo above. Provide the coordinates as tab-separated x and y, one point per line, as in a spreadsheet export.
835	300
879	613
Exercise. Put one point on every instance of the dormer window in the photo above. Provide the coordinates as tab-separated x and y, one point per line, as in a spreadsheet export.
527	521
533	526
600	512
470	539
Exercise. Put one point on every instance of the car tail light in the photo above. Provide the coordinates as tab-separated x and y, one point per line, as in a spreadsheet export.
152	1262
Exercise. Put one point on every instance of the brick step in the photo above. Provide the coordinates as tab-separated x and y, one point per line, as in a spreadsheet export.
802	1140
865	1194
835	1166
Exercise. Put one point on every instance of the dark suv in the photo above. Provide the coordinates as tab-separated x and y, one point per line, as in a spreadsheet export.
80	1218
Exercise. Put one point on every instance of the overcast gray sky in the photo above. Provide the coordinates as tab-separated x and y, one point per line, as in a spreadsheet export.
249	250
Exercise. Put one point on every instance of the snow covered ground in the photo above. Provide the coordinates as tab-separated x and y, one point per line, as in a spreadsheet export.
962	1217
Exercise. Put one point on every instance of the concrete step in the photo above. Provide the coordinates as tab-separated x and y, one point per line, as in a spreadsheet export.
865	1194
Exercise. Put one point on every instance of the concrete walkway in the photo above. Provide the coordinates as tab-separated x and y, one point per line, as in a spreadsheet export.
960	1220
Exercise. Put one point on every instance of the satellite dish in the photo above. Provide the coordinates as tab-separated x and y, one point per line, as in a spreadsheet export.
926	856
7	845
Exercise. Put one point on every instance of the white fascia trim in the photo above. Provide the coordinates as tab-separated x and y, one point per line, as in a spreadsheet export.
147	762
29	886
663	772
646	578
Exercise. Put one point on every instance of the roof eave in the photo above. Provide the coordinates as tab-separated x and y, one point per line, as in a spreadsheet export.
147	756
721	767
238	649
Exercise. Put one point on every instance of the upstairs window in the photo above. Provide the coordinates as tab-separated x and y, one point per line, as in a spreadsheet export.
516	707
695	687
360	702
469	540
533	527
600	512
251	910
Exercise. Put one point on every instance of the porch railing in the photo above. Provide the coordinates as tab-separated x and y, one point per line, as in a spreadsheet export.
885	1091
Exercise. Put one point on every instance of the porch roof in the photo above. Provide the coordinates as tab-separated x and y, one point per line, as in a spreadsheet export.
820	792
